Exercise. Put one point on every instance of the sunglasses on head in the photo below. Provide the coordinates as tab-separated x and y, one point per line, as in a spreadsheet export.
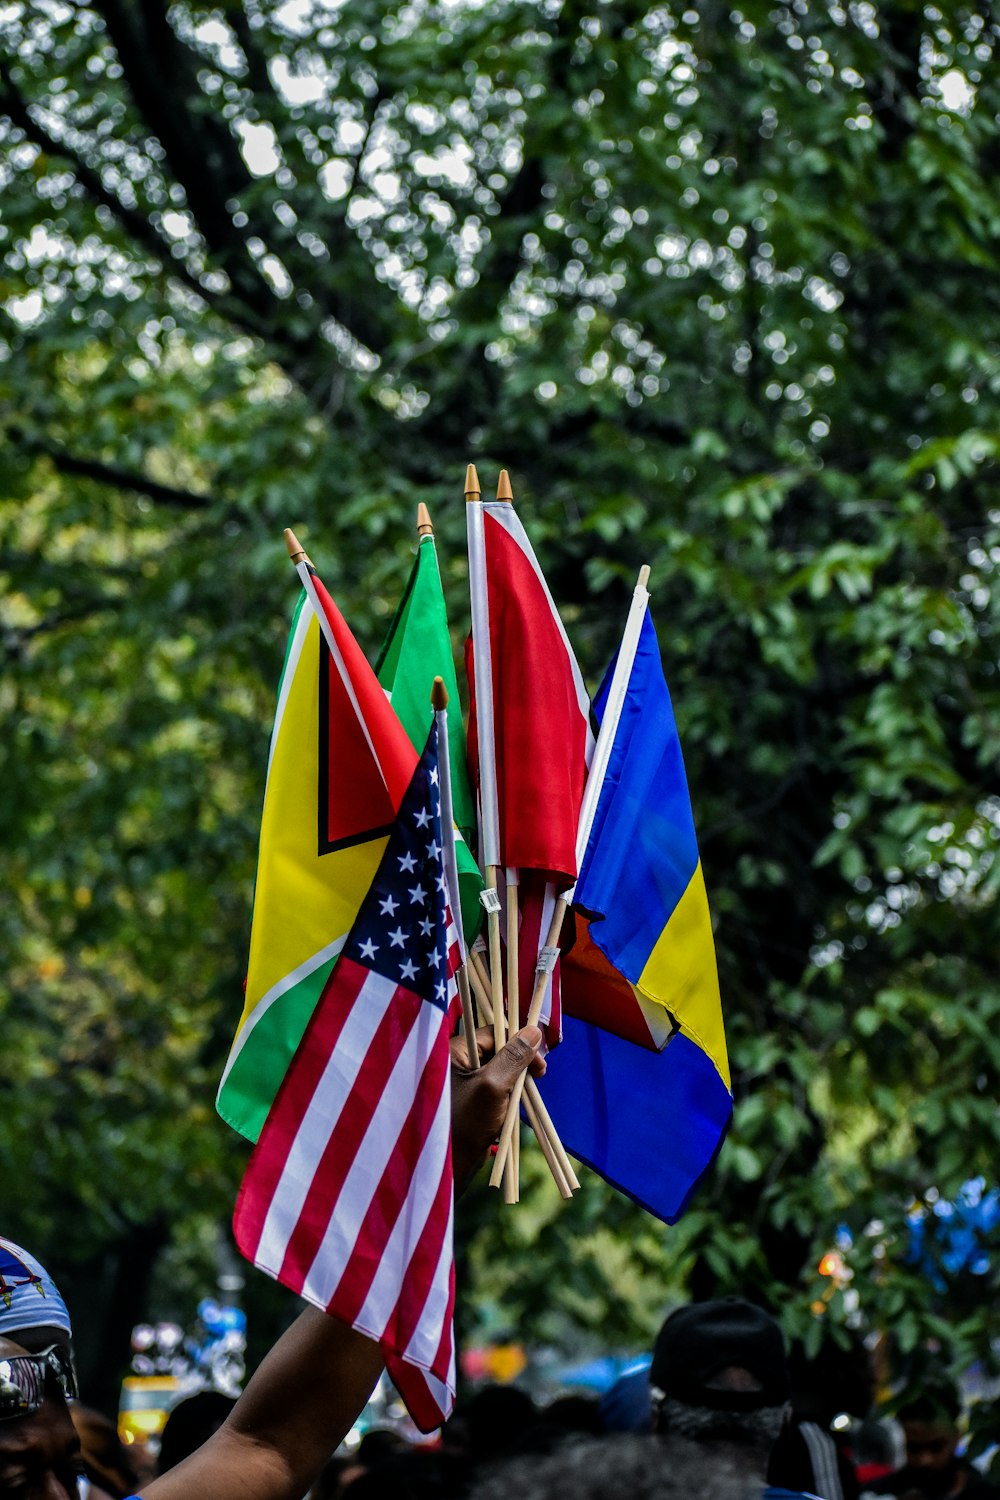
23	1378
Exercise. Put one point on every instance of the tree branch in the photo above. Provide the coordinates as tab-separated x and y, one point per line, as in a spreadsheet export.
15	638
14	105
104	473
162	74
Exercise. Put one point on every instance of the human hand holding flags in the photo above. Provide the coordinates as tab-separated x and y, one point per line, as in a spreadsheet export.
480	1096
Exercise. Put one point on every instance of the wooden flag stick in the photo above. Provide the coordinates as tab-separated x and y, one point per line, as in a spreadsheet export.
424	525
512	1170
533	1095
537	1001
480	983
468	1014
496	959
538	1116
483	670
513	1005
500	1030
513	984
439	703
548	1150
489	817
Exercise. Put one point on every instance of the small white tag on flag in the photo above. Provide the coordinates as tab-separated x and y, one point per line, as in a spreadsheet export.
490	900
546	960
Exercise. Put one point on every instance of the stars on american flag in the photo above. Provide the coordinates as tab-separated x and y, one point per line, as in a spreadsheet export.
401	929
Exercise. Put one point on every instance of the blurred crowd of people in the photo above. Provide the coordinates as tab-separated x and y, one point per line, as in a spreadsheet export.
722	1412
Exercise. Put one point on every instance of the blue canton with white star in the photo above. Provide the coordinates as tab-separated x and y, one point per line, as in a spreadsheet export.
401	930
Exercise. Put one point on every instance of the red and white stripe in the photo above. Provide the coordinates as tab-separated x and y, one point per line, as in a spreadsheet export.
348	1196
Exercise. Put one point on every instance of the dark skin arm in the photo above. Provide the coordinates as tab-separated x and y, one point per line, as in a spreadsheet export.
308	1392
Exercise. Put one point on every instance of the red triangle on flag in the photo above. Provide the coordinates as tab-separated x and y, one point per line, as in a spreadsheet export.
353	801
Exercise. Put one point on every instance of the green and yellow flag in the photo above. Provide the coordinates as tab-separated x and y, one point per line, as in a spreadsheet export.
339	764
416	650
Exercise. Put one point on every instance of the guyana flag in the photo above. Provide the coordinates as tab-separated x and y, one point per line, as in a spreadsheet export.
418	649
339	764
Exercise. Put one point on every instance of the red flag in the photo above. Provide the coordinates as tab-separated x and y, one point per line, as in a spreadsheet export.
360	789
541	741
347	1198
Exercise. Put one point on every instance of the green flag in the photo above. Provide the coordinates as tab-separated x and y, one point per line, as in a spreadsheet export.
416	650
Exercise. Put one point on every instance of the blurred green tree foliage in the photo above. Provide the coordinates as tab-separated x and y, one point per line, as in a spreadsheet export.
721	287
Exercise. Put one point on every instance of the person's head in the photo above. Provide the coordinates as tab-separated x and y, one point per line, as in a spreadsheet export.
189	1424
32	1313
640	1466
931	1432
719	1374
39	1447
575	1413
496	1418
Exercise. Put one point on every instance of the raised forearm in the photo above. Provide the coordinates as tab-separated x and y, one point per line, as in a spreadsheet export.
300	1404
308	1392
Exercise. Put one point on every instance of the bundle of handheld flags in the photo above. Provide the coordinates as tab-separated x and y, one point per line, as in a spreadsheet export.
366	947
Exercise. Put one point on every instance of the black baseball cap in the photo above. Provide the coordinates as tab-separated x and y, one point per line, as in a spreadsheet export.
698	1342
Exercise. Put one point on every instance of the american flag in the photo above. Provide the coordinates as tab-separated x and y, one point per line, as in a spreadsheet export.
348	1196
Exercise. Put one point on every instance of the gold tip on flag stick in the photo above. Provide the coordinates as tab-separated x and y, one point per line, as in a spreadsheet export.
504	491
296	551
472	487
439	695
424	524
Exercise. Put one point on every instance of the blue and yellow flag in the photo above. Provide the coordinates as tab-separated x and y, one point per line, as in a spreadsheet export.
648	1120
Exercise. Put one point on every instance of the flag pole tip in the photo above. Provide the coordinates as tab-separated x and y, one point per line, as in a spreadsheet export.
644	576
296	551
472	486
424	524
504	491
439	695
